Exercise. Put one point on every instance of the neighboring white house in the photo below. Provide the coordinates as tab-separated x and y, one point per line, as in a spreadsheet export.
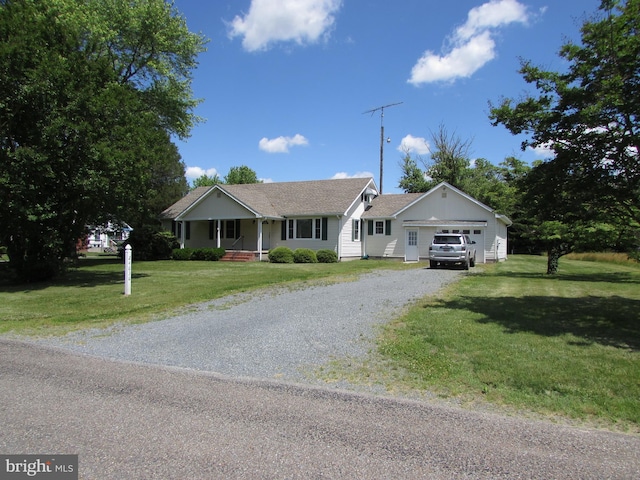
107	236
344	215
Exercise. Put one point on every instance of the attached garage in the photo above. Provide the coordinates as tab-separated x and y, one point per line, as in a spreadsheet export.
412	220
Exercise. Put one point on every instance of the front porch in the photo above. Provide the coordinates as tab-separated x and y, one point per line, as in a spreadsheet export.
242	236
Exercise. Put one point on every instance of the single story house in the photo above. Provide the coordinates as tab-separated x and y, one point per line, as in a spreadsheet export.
345	215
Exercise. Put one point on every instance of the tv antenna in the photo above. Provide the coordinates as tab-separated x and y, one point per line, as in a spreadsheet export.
372	111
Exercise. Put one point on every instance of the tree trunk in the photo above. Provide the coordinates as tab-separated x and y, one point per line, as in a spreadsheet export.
553	257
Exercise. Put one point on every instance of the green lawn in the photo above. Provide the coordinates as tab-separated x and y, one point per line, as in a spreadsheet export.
92	294
565	345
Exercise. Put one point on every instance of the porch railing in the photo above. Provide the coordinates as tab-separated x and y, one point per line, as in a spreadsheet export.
239	239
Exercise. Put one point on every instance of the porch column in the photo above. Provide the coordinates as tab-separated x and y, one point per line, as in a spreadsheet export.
363	238
182	233
218	233
339	244
259	245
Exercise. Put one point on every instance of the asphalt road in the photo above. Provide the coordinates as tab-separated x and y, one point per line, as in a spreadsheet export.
133	421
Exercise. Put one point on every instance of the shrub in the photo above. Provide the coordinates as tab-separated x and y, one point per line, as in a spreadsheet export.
198	254
208	254
202	254
281	255
182	254
327	256
150	243
214	254
304	255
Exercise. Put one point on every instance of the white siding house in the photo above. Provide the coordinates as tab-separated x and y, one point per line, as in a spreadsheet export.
346	215
259	217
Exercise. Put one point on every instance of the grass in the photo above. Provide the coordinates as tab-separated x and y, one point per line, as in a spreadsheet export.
565	347
91	295
511	336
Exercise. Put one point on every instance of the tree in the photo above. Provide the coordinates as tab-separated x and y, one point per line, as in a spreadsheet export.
588	115
413	178
241	175
205	180
450	158
90	93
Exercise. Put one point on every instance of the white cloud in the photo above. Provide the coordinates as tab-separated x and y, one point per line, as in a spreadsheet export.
341	175
195	172
281	144
418	145
543	151
272	21
472	44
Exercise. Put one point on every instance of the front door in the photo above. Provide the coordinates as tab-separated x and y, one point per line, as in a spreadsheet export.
411	247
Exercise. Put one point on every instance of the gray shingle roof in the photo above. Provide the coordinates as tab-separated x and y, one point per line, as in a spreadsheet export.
286	199
387	205
181	205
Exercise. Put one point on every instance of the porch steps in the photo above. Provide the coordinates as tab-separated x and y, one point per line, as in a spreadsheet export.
238	256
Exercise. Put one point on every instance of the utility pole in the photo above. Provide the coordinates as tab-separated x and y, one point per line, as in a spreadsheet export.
372	111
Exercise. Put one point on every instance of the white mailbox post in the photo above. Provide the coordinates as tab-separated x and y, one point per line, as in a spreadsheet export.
127	270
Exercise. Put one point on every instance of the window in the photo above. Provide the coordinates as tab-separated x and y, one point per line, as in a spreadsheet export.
466	232
412	241
230	229
356	230
447	240
305	228
379	227
477	232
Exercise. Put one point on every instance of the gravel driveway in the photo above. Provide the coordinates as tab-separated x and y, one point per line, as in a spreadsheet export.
273	333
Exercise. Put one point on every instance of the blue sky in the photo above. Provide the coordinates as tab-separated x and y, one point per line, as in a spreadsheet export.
285	83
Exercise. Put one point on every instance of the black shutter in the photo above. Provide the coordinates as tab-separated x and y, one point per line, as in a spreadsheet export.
283	230
187	231
173	228
370	227
325	223
238	228
387	227
211	229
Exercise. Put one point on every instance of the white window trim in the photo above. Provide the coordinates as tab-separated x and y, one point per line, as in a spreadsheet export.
316	228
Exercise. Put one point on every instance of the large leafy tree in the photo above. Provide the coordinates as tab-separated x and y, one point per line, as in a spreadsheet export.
241	175
90	93
588	115
205	180
493	185
450	158
413	179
